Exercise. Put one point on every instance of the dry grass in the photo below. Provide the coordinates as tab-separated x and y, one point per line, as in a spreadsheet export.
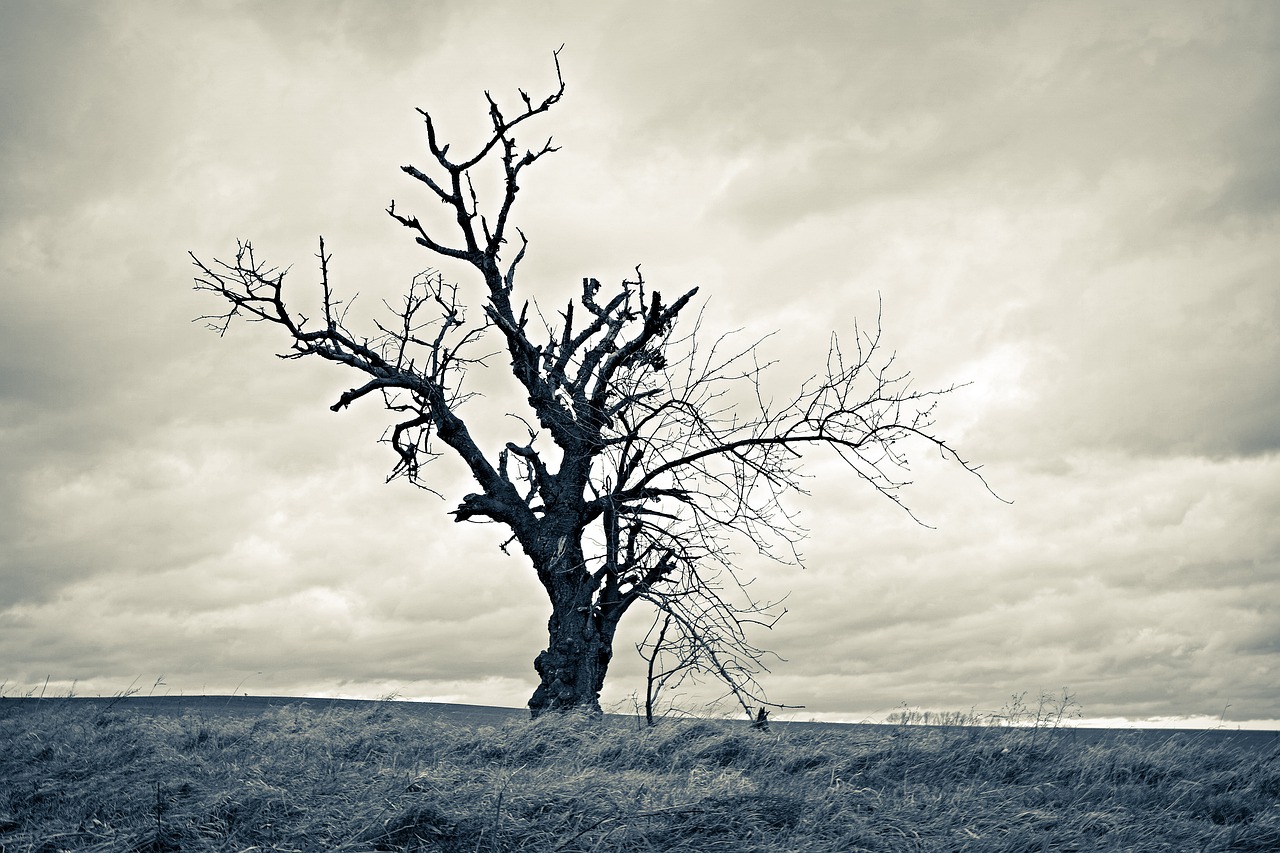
77	778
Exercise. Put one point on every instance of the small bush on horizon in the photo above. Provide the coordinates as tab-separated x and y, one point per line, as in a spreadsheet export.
75	777
1052	711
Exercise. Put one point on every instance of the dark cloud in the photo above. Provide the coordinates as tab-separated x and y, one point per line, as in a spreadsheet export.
389	36
42	96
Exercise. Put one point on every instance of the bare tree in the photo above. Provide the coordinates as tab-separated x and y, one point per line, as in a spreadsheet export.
649	447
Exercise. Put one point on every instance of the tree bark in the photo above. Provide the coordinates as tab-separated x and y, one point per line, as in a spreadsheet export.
572	667
580	633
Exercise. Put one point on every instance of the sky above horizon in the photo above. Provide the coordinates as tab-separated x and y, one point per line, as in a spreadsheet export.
1071	207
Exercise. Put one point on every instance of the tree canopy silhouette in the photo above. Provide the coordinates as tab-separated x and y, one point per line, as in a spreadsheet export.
647	448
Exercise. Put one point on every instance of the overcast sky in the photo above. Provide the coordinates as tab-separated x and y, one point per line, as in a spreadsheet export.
1073	206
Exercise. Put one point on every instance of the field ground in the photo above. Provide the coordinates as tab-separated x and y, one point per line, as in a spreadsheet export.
487	715
260	773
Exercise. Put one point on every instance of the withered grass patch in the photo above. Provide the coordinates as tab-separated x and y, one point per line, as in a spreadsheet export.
77	778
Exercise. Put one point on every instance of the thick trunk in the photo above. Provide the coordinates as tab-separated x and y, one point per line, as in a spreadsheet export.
580	643
574	664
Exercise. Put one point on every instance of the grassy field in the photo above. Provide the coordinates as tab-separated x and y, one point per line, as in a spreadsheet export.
86	776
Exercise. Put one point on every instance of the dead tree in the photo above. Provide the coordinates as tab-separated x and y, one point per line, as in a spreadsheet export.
648	446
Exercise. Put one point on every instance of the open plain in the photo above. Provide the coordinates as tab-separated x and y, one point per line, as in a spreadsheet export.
261	773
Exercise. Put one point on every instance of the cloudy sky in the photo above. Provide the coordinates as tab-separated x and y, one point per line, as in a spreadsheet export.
1073	207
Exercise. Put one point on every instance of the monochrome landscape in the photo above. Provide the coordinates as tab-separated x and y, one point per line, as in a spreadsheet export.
1068	211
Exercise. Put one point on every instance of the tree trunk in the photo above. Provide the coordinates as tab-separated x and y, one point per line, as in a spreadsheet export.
572	669
574	664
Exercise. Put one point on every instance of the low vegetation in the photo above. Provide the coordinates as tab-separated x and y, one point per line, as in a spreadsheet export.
80	776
